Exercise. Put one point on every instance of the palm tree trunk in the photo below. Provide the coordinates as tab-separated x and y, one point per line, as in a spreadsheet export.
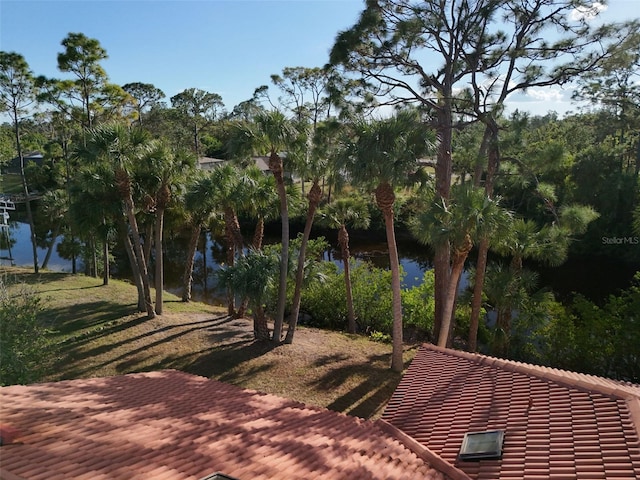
122	180
343	241
314	196
457	266
105	260
148	242
275	165
187	278
258	234
397	363
260	328
231	256
159	259
54	235
476	301
385	198
135	271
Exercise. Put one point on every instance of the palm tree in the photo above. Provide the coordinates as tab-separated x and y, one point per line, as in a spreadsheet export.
469	216
262	202
94	208
166	168
252	276
270	133
353	212
317	159
509	287
200	206
121	148
231	195
383	153
506	291
55	206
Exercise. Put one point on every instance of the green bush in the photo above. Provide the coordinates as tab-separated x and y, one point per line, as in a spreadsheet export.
372	297
326	303
418	304
23	342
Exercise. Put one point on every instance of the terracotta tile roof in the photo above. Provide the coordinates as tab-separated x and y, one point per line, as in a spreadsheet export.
558	424
172	425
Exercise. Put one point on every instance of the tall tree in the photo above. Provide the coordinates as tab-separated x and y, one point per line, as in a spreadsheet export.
146	96
200	108
231	197
524	58
95	210
381	154
353	212
82	57
167	168
388	48
318	155
262	202
199	203
17	95
468	217
90	87
271	133
121	148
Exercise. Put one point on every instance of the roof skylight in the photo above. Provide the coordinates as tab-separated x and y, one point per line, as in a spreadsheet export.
218	476
482	445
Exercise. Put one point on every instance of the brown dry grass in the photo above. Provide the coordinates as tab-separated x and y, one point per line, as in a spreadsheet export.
98	333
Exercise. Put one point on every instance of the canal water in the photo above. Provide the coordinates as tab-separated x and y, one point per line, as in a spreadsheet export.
594	277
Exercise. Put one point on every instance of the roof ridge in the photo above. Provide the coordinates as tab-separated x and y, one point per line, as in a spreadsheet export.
423	452
583	381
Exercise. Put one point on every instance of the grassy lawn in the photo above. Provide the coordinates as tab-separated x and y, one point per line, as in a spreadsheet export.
97	331
10	184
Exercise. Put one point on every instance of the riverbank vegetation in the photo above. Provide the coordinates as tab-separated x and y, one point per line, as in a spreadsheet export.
427	151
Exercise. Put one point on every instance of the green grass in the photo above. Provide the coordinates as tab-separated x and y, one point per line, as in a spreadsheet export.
10	184
97	331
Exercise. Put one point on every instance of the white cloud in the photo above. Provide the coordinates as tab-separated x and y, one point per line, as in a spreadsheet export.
587	13
551	95
540	101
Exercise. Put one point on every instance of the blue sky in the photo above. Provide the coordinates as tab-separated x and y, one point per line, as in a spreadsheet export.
229	47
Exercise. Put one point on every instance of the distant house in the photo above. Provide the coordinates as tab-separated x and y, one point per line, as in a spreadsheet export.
209	163
262	162
556	424
13	165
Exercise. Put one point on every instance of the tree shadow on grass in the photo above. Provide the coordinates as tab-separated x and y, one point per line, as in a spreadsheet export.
132	359
221	362
75	318
367	399
29	278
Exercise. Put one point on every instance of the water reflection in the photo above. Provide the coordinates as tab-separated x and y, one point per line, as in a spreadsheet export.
576	275
19	252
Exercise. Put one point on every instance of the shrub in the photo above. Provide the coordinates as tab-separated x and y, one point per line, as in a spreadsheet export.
23	342
418	304
326	302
